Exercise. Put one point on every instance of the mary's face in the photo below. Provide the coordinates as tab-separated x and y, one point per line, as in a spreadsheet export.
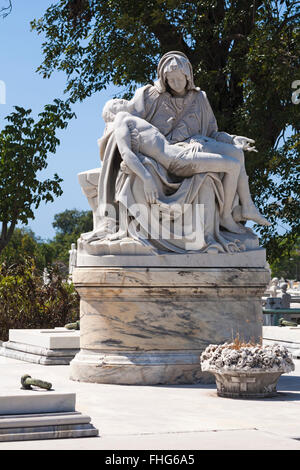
177	82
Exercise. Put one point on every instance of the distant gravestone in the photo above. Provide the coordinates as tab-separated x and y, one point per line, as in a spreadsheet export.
46	277
285	297
72	259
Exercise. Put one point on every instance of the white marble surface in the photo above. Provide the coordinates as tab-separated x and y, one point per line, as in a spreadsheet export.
255	258
279	333
42	426
57	338
35	401
37	350
36	355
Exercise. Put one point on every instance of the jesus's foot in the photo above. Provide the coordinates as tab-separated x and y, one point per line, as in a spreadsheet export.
228	223
251	213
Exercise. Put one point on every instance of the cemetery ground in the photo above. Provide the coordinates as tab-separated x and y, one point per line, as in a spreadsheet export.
177	417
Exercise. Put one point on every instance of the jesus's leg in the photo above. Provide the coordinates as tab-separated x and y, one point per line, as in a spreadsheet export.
248	209
191	163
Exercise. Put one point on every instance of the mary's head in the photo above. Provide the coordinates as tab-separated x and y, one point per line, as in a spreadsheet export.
175	74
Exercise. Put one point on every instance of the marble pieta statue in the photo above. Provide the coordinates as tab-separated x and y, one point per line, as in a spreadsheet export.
170	181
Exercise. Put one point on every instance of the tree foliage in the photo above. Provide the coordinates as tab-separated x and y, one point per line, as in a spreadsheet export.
23	245
24	148
245	55
69	225
287	263
25	302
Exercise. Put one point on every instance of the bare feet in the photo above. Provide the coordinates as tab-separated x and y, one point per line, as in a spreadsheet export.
228	223
119	235
251	213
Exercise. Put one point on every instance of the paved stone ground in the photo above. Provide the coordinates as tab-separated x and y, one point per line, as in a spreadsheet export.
168	417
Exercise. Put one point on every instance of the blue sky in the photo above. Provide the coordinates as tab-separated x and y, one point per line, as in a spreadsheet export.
20	55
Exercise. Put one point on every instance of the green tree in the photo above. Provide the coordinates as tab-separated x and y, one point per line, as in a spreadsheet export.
25	302
24	244
245	54
287	263
69	225
24	148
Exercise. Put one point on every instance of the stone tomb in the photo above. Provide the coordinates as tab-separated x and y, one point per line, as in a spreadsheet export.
46	347
35	415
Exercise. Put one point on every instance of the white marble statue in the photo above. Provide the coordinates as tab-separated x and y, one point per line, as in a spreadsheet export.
285	297
274	287
46	277
163	148
72	259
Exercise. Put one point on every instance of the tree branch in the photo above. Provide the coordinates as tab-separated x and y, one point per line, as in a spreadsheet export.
168	35
5	11
286	20
3	231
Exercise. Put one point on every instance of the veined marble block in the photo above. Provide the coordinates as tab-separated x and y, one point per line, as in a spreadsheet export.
145	325
27	415
254	258
55	346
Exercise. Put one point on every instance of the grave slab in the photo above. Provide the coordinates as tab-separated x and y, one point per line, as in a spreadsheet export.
56	346
38	415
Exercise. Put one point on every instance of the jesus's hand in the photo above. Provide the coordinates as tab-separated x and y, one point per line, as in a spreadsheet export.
150	189
244	143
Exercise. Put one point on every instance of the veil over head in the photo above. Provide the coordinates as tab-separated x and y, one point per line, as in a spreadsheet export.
174	60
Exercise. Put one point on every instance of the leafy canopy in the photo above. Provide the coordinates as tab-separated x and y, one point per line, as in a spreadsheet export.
24	244
26	302
69	225
24	148
245	55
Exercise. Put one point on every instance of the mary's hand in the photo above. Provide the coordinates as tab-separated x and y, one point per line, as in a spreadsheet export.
244	143
151	191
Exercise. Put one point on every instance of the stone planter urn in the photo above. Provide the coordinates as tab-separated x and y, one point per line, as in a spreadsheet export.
244	370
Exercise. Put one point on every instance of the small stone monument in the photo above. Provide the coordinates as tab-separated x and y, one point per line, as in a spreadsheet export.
46	277
274	287
56	346
285	297
46	414
72	260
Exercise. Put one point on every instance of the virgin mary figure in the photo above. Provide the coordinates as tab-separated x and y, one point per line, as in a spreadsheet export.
188	212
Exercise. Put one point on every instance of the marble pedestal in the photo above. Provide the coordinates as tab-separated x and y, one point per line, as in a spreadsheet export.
144	325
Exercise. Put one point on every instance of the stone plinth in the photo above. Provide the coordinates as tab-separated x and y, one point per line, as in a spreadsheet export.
47	347
144	325
35	415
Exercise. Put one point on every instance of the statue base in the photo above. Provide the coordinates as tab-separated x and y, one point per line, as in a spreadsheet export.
149	325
